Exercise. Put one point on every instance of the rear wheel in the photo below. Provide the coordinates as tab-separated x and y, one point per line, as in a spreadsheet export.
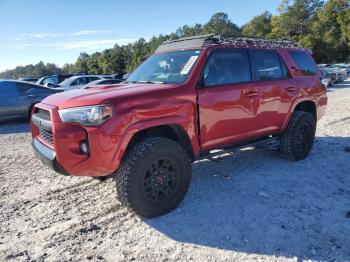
297	140
153	177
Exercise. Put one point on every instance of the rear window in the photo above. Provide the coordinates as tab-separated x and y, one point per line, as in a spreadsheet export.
268	65
304	62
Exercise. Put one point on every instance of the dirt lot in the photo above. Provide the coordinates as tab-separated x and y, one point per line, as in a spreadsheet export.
252	206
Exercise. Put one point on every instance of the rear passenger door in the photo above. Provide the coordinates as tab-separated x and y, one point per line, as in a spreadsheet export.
8	99
277	90
24	99
228	100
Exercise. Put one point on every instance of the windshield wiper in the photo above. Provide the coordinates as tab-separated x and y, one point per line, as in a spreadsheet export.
148	82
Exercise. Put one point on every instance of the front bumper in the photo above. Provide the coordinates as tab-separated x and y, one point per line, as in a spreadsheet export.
61	149
47	156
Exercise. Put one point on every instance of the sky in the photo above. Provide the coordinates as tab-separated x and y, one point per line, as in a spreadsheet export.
57	31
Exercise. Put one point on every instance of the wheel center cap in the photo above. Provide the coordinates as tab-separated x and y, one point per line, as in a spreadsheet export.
160	179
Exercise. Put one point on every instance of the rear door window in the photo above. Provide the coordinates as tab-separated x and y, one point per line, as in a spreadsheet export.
304	62
92	78
285	71
8	89
227	67
267	65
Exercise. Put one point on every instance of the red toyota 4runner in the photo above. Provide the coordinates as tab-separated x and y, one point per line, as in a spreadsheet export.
193	96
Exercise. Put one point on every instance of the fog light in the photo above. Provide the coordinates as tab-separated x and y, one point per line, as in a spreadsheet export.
84	147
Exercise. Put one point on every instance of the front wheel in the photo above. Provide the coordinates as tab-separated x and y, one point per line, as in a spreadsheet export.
153	177
297	140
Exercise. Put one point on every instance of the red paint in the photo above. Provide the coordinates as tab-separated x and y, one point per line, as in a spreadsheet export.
227	115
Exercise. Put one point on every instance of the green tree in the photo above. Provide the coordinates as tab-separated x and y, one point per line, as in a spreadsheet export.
220	24
330	38
295	18
259	26
81	65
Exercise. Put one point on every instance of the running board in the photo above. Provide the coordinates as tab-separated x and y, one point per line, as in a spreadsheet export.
270	143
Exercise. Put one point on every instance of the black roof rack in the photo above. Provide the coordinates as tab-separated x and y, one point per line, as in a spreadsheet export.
208	40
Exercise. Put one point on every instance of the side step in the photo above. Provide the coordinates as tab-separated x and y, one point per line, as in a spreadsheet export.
270	143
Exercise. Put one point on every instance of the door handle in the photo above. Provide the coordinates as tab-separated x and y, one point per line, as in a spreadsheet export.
250	92
291	89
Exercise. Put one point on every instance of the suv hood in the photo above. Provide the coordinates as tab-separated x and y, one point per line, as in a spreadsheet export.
95	95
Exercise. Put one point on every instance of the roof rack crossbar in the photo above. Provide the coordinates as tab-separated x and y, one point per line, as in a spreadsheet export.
209	40
252	42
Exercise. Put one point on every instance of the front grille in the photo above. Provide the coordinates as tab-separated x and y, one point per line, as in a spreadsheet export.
46	136
44	114
44	132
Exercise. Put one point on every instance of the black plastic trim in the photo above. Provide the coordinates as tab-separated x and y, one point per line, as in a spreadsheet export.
47	156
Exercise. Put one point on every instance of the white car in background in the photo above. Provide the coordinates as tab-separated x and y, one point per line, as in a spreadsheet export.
103	82
341	74
76	82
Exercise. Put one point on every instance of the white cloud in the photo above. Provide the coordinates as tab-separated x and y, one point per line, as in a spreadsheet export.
93	44
91	32
34	36
55	35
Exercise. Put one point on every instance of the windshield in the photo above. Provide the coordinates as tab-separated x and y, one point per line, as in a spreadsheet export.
173	67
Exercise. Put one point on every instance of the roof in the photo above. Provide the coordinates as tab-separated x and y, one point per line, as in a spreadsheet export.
210	40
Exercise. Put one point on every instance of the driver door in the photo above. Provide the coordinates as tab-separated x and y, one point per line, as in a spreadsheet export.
228	99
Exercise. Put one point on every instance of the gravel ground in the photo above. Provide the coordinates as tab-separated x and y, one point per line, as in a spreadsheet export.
251	206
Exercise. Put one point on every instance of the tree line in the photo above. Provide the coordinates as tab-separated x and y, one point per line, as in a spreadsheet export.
322	27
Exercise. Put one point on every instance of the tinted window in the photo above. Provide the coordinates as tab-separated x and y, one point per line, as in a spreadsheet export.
267	64
8	89
51	80
92	79
80	81
227	67
304	62
285	71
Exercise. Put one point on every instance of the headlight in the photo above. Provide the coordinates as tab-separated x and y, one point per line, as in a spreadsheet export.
87	115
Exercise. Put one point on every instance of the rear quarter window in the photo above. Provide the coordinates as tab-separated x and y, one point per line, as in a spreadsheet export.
304	62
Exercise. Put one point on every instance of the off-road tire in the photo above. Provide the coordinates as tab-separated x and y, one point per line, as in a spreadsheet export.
136	166
289	142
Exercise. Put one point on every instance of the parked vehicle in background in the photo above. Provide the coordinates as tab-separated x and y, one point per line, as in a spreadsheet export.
340	74
343	67
103	82
76	82
17	98
328	78
29	79
324	65
53	80
193	96
107	76
118	76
